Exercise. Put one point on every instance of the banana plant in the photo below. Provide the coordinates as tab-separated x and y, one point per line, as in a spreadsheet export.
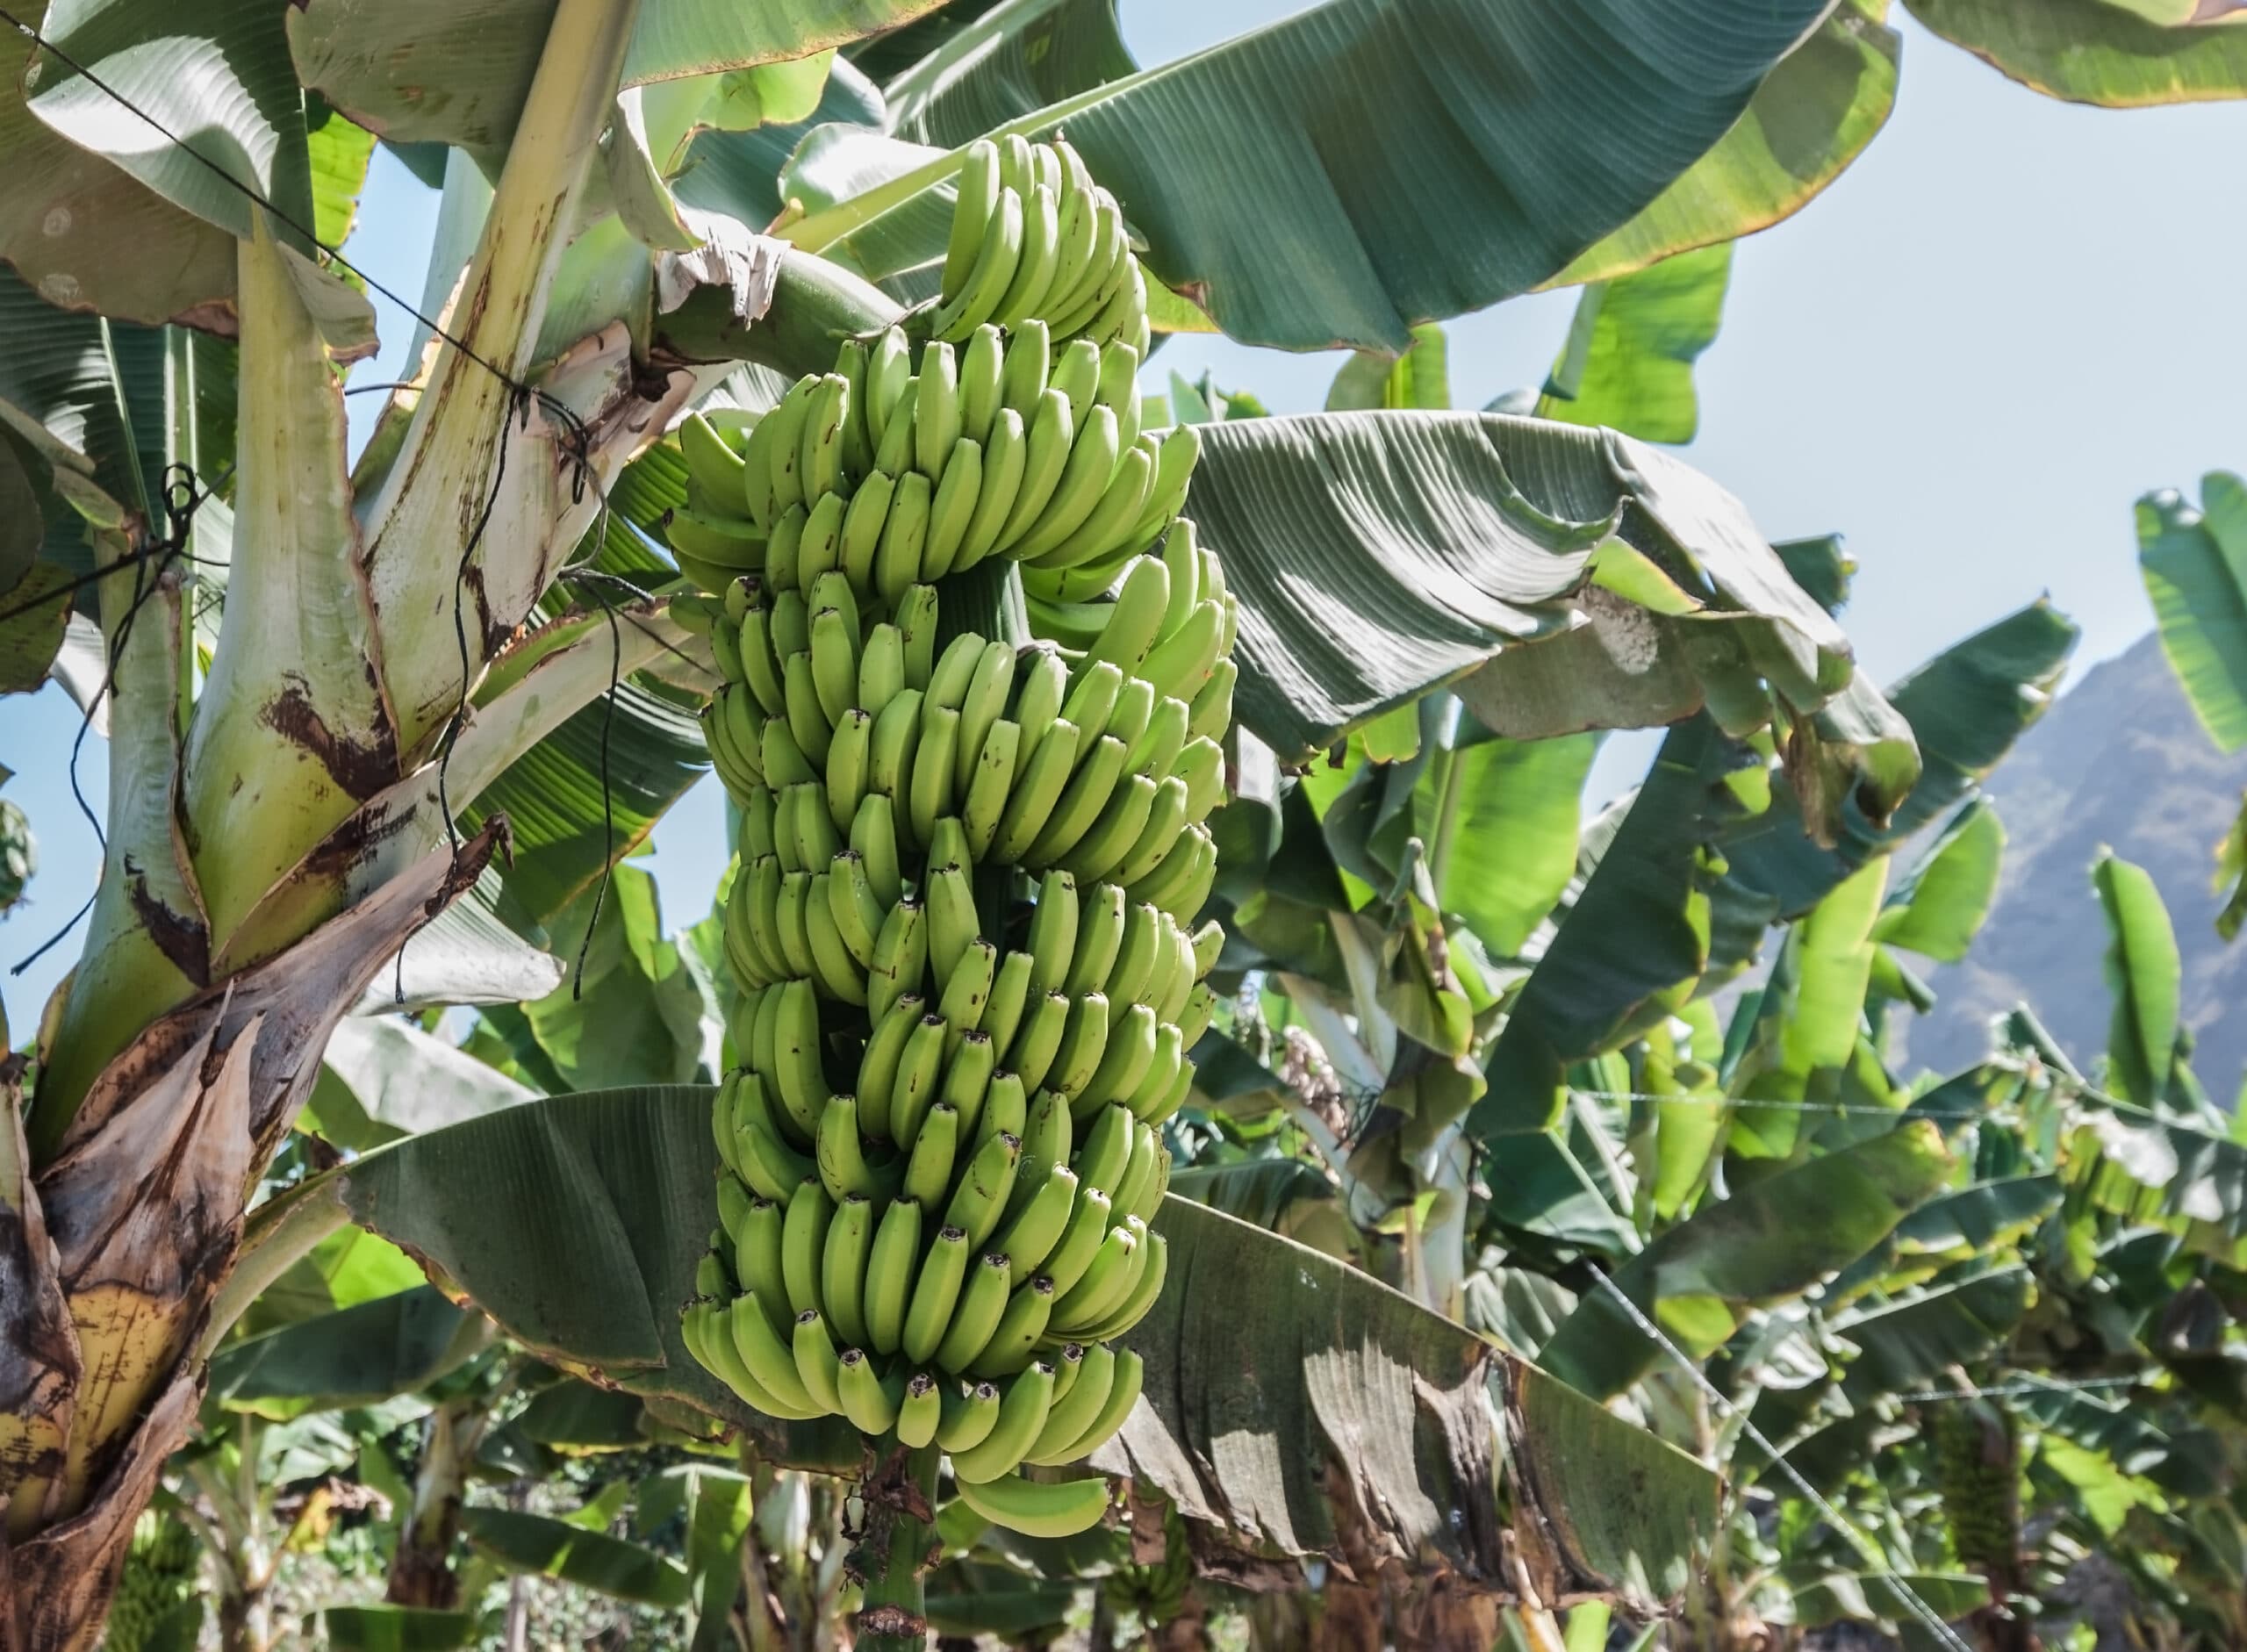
336	694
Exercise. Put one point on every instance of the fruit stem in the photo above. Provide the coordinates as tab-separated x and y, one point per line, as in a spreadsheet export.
893	1611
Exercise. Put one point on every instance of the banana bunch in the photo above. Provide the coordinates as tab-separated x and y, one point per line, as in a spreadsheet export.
963	912
1033	235
896	478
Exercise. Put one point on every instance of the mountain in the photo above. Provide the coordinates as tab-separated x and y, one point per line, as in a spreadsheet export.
2119	760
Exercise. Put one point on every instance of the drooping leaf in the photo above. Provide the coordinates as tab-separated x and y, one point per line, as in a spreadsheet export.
1773	1238
1378	554
2195	563
1631	946
548	1547
214	73
354	1356
575	1224
1629	361
401	1081
1811	117
2148	1168
2146	976
1317	244
2096	51
1909	1341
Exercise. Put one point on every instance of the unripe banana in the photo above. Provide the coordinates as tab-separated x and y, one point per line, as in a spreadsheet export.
933	790
1041	684
1122	1395
1109	841
935	1291
862	525
843	1267
1072	1412
919	1413
1106	529
820	463
1093	459
1166	820
953	924
975	202
799	1076
1161	1075
967	1077
900	957
770	1361
790	623
1052	435
862	1397
816	1360
893	453
1139	1170
1011	1342
1081	801
803	1238
982	383
967	995
1008	1002
1046	1138
916	618
1082	1240
936	1150
881	668
839	975
1106	1152
953	511
990	786
1053	926
919	1075
980	1200
1093	693
1000	461
1038	1508
994	268
890	751
1201	771
1135	619
843	1166
892	1266
781	431
1146	1287
781	553
1030	1237
822	548
1212	705
983	703
1041	254
1022	1413
935	411
1104	1285
1039	1043
783	761
975	1316
878	1067
1006	1108
1044	776
968	1415
904	538
848	760
1076	374
1180	664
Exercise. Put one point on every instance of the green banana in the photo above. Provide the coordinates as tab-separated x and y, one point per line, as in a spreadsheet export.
1146	1287
1038	1045
858	915
1135	618
843	1166
975	1316
1022	1413
932	789
968	1415
953	509
978	299
873	834
890	751
920	1071
967	1079
1212	705
1007	1002
1093	693
1039	1508
936	1149
967	995
1053	926
862	526
861	1395
1051	434
803	1237
847	759
990	786
901	956
1030	1237
1044	776
983	703
767	1359
798	1073
843	1267
838	974
980	1199
975	203
1122	1395
1094	456
904	536
1114	832
1082	1240
1106	1152
1072	1412
891	1266
935	411
1100	935
918	1414
877	1065
1009	1346
1105	1282
1166	820
817	1363
953	923
935	1291
1045	1140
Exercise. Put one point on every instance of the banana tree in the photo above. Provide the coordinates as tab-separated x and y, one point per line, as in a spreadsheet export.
336	694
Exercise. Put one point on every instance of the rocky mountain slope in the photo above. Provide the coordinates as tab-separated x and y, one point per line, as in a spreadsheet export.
2119	760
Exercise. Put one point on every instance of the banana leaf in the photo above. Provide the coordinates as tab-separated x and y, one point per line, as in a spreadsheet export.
1627	361
396	1628
354	1356
2098	51
2146	977
1773	1239
542	1546
2195	564
1560	121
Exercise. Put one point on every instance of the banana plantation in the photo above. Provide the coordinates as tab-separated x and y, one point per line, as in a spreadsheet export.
1185	1123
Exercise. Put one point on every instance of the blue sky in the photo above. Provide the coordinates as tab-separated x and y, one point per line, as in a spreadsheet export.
1970	355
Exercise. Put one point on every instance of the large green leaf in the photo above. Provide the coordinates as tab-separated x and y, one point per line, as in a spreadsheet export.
79	229
396	1628
2145	975
1378	554
458	71
1911	1340
575	1224
1773	1238
2195	563
1501	821
1810	118
215	74
544	1546
1014	58
2097	51
354	1356
1560	119
1629	361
